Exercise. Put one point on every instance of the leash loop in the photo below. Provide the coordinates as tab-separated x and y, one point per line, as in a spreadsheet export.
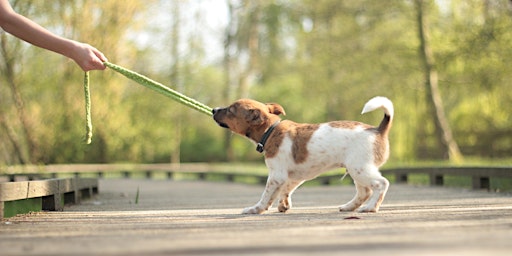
88	121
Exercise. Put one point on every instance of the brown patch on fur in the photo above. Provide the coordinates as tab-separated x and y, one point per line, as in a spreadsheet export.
300	137
300	134
380	149
348	124
274	142
385	125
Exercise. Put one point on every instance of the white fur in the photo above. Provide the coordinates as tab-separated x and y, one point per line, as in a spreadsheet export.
329	148
379	102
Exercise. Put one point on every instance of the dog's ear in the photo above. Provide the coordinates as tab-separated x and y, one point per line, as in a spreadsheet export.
254	117
275	109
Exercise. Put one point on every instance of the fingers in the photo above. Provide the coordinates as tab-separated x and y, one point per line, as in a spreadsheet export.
99	55
91	59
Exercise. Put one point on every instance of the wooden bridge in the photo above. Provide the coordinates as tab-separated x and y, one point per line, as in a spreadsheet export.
168	217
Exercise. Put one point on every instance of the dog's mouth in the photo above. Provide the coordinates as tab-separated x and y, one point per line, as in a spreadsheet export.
223	125
216	117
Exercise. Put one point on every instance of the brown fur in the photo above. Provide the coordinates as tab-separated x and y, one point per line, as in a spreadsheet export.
348	124
251	118
257	120
300	137
291	129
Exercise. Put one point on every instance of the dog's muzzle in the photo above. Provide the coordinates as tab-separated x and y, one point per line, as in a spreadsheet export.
216	113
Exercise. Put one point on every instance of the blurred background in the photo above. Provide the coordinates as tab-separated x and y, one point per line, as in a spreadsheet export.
445	64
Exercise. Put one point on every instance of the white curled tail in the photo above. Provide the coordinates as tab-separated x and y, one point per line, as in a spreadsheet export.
379	102
386	105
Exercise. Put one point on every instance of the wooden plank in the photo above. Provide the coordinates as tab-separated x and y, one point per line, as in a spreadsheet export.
52	193
10	191
412	221
41	188
87	182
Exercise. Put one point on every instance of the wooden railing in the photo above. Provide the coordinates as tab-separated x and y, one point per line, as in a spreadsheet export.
44	182
49	194
200	170
480	175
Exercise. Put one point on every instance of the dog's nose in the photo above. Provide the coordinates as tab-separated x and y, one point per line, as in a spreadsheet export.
215	110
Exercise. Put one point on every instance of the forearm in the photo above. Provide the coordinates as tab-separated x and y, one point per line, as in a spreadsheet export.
33	33
86	56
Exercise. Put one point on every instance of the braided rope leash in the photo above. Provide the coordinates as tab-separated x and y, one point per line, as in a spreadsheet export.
147	82
158	87
88	120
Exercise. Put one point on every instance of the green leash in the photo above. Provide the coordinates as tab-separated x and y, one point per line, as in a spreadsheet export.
158	87
88	121
145	81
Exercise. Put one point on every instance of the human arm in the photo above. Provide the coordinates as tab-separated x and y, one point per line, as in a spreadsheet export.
85	55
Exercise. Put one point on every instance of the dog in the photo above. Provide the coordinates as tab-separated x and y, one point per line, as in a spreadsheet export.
297	152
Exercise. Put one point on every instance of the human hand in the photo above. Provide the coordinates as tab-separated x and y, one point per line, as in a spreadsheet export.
88	57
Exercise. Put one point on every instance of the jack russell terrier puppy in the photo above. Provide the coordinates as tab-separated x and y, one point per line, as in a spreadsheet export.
295	152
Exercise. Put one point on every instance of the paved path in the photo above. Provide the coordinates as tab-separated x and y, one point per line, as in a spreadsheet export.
202	218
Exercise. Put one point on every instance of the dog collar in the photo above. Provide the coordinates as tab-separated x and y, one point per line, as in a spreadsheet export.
264	139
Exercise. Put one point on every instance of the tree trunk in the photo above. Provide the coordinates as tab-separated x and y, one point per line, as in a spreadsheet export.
228	63
8	72
442	128
175	80
16	146
248	73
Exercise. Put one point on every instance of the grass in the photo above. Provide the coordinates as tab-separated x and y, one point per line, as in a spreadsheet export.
137	196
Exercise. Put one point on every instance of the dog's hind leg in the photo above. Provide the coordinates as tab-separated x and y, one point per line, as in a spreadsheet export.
379	186
362	194
285	201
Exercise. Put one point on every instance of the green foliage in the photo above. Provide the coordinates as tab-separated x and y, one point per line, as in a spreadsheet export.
321	60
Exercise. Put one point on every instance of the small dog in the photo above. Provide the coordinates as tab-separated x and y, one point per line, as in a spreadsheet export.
295	153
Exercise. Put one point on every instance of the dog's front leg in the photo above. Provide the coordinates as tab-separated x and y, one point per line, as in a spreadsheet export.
285	203
272	189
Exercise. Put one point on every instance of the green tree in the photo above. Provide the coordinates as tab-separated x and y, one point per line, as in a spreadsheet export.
443	131
45	77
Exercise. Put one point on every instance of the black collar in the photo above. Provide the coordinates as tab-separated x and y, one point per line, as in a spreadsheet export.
264	139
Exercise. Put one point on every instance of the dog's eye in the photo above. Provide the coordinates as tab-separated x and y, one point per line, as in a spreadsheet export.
231	110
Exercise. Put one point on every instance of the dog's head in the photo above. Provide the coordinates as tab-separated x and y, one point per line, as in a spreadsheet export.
246	116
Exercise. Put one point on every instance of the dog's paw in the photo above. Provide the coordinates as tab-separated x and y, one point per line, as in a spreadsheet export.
283	208
347	208
366	208
284	205
252	210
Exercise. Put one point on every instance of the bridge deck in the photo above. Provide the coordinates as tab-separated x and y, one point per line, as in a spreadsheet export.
202	218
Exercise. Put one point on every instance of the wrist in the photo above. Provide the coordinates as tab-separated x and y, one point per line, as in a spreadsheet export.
68	48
